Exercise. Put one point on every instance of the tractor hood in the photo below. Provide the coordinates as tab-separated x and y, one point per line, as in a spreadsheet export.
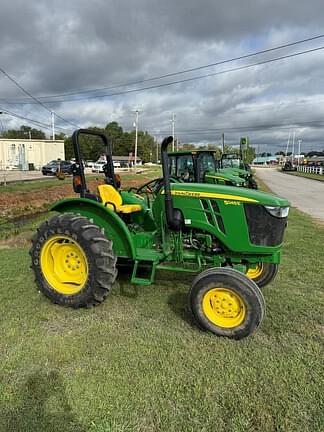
229	176
236	171
227	193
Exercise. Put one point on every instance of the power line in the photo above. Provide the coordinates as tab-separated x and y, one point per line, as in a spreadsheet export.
198	131
15	106
41	123
186	79
283	125
37	123
23	90
34	98
186	70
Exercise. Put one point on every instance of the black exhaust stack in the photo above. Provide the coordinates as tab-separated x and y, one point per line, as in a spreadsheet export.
173	216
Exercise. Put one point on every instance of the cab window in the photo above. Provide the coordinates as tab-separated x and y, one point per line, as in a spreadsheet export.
185	168
206	162
232	162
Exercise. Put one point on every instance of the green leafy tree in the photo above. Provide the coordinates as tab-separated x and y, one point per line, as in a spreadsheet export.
127	144
24	132
145	146
122	143
60	136
187	147
91	147
68	149
114	132
229	149
249	154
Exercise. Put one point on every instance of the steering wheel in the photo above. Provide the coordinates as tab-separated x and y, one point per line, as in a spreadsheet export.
153	186
146	188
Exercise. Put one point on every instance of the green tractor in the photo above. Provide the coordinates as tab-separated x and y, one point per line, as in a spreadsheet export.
216	232
231	163
200	166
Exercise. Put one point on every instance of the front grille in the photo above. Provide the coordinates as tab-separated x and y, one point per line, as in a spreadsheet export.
264	229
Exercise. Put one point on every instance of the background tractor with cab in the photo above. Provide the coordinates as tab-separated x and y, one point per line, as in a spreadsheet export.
217	233
231	163
200	166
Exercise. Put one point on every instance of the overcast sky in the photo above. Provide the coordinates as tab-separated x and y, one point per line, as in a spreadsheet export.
58	47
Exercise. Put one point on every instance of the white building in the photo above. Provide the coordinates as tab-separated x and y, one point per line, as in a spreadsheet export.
27	154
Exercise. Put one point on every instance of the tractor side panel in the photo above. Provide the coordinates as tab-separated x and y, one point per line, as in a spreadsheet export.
223	218
115	229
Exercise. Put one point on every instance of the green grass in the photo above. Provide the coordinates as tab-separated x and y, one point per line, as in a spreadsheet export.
138	363
34	185
143	173
306	175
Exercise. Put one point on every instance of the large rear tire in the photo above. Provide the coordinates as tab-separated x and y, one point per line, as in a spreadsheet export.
73	261
263	273
225	302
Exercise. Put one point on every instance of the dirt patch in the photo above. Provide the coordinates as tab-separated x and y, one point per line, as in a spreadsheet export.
13	204
17	203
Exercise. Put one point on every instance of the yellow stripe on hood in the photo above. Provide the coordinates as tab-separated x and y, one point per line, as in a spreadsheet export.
211	195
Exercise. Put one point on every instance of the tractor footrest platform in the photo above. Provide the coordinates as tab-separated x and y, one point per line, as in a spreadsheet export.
143	272
145	254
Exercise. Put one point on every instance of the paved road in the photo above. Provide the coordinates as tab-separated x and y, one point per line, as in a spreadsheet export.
14	175
307	195
18	176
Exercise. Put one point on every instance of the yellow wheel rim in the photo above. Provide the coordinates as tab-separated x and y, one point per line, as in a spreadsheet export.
255	272
224	307
64	264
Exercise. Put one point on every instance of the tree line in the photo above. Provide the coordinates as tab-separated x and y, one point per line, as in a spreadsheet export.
122	143
26	132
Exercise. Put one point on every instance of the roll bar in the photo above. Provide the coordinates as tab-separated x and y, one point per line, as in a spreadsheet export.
109	168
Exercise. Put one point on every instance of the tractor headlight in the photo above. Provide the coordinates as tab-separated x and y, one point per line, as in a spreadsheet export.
279	212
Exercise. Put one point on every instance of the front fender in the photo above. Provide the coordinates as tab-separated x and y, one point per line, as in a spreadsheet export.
114	227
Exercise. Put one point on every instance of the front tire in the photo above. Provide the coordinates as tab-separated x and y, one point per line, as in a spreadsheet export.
226	303
253	184
73	261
